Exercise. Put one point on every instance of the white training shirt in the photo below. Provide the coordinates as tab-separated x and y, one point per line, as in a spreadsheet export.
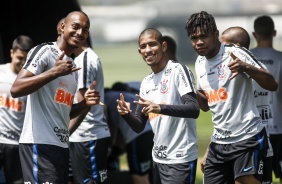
94	126
175	139
12	110
231	102
47	113
271	110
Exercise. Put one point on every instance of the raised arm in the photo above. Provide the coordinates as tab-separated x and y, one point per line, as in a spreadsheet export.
261	76
136	121
27	83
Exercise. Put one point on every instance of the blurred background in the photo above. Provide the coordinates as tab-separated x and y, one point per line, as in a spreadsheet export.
121	21
116	25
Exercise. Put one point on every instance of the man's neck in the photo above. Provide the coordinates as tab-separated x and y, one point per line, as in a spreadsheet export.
265	43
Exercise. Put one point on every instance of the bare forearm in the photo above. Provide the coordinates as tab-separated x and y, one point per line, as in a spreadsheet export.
26	85
262	77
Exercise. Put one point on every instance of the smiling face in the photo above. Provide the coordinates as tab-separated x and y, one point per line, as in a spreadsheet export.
152	51
205	44
75	29
18	58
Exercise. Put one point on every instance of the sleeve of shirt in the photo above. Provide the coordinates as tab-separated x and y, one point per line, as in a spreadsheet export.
88	71
38	59
184	80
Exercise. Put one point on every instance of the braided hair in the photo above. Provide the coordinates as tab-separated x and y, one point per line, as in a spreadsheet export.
203	20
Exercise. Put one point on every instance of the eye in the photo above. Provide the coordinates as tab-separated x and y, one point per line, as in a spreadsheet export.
142	46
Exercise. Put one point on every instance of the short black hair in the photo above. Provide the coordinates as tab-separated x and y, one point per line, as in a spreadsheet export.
23	43
203	20
171	46
238	35
153	31
264	26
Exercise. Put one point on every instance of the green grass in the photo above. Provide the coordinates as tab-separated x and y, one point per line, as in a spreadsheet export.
123	63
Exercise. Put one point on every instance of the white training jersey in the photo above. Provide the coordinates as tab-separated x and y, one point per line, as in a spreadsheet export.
231	102
48	109
111	102
271	110
175	139
12	110
94	126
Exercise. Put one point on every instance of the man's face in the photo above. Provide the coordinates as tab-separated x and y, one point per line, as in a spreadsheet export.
150	49
18	58
204	44
76	30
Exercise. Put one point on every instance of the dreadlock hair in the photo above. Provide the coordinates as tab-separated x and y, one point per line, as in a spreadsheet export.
264	26
203	20
152	31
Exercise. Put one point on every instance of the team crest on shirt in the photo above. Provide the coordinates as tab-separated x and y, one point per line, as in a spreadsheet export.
164	86
221	71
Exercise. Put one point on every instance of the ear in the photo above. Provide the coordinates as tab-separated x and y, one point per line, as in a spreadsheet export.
139	50
255	35
164	46
274	33
11	52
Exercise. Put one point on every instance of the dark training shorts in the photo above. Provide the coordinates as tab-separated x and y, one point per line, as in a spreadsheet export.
226	162
42	163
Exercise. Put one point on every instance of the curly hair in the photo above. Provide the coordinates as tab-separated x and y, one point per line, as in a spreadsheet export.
203	20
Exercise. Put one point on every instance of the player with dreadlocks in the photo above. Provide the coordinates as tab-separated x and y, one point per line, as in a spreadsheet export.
224	82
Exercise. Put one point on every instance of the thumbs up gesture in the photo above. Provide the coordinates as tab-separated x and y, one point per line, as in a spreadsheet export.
236	66
64	67
92	96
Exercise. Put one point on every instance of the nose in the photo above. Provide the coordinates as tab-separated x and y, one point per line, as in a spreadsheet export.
147	48
79	31
199	41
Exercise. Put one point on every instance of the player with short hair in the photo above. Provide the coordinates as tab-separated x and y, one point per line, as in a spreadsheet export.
264	32
12	110
240	37
167	99
224	82
49	78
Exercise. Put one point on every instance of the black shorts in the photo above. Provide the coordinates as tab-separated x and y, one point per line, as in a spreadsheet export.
89	161
10	160
226	162
183	173
42	163
276	142
139	154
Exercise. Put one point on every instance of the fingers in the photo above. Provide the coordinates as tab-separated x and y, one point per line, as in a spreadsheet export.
75	69
234	75
93	85
61	56
121	97
233	56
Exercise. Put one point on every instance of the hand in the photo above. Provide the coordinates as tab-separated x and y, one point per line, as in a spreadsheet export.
148	106
203	161
64	67
236	66
123	107
92	96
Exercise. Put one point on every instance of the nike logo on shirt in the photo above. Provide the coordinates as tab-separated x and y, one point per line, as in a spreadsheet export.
247	169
